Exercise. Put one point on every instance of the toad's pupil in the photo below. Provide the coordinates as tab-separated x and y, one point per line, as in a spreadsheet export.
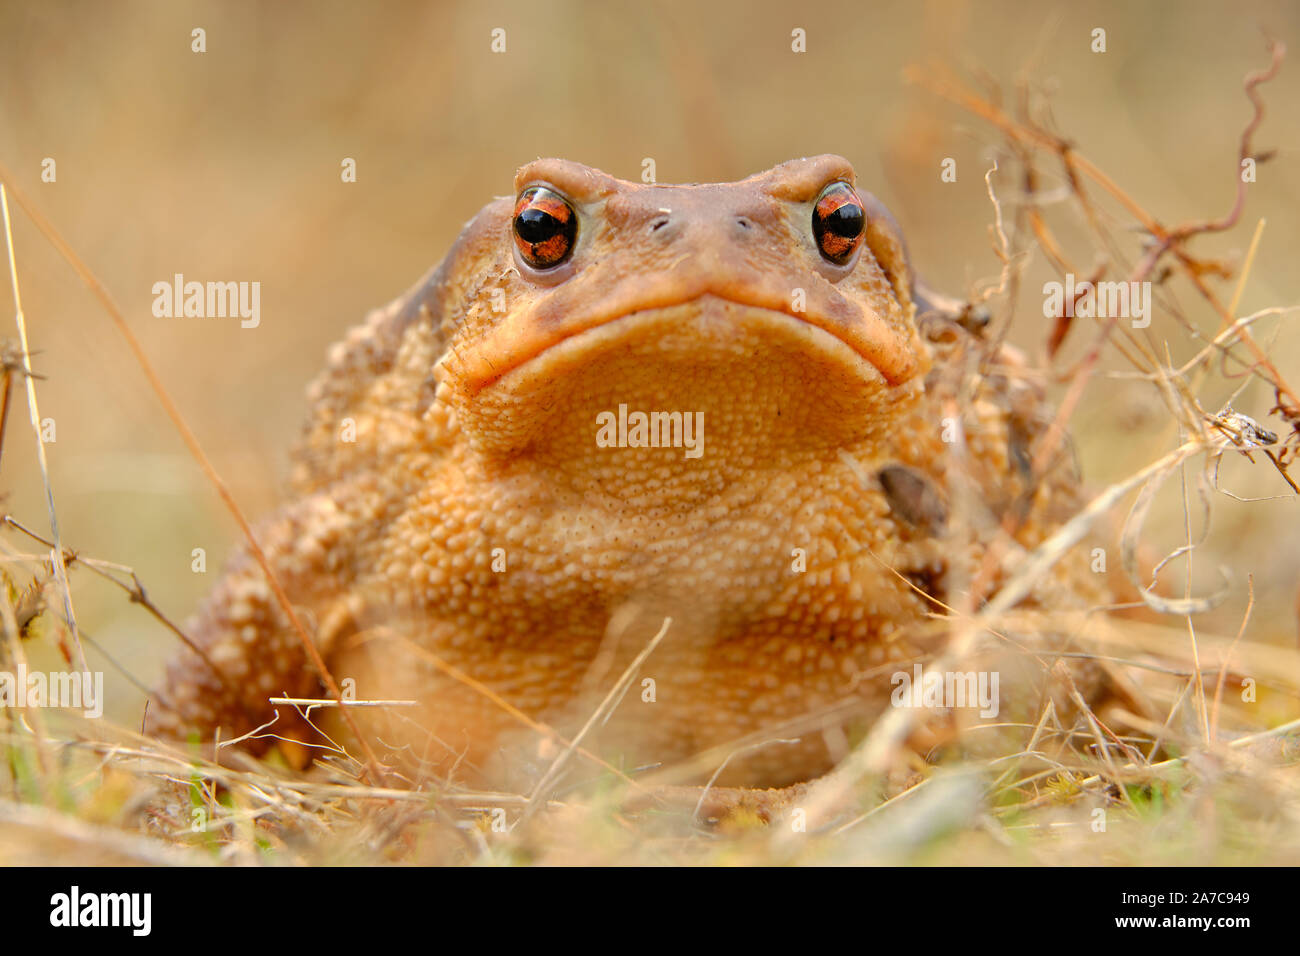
846	221
536	225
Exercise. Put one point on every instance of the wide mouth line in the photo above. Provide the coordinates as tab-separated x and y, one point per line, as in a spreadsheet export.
581	326
803	317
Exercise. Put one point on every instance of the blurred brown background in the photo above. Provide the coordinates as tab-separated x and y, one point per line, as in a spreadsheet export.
225	166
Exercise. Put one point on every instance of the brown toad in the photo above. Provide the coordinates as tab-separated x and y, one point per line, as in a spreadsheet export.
610	404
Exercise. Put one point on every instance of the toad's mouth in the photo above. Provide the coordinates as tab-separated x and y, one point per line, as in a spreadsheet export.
765	384
528	334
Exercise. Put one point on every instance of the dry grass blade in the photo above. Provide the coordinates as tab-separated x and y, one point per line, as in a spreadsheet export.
196	450
607	705
56	553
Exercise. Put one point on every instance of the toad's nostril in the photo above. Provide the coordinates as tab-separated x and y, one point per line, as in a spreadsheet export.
744	222
658	223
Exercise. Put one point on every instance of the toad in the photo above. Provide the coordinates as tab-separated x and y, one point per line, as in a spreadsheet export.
612	404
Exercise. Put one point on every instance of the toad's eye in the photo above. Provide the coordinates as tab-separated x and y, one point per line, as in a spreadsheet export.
545	227
838	222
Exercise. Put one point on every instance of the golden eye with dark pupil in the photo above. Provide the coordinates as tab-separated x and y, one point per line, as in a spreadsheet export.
545	226
839	222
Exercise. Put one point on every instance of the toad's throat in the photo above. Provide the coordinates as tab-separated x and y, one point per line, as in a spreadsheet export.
759	386
527	334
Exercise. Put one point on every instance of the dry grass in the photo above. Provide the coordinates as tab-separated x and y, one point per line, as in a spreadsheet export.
1185	766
